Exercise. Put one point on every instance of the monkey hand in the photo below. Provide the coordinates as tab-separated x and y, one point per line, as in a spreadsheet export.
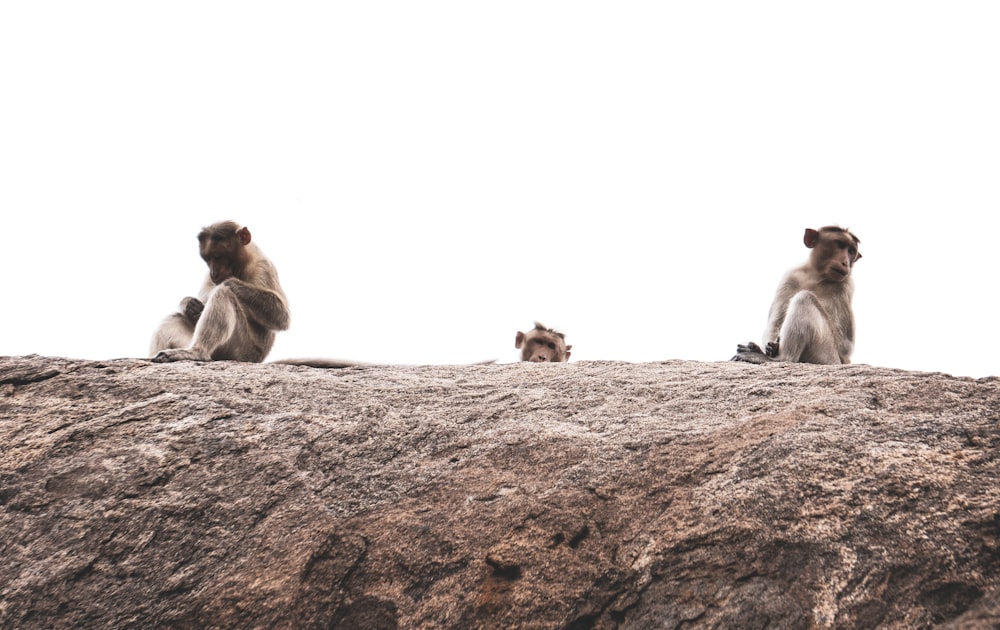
191	308
751	353
772	349
180	354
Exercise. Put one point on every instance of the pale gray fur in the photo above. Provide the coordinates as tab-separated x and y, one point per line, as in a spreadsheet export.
238	323
808	331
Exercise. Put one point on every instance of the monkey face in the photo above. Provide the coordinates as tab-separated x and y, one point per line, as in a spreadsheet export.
219	269
542	348
542	345
218	255
540	351
840	259
834	254
223	248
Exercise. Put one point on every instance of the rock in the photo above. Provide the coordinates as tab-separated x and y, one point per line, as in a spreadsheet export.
579	495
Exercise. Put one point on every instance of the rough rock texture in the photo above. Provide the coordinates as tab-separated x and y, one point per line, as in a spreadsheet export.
580	495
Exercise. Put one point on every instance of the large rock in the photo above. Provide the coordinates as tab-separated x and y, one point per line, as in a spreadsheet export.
577	495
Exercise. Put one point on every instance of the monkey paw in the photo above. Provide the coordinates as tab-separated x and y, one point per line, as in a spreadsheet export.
192	308
179	354
751	353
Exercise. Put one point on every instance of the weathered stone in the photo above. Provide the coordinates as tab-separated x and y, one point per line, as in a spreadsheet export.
580	495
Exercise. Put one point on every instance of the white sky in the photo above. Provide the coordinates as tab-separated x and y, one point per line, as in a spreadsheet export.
431	177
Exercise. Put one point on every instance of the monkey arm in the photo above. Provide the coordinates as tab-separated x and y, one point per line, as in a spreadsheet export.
775	318
844	318
790	285
262	305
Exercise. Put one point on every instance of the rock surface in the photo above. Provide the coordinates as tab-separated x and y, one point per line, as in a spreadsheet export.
580	495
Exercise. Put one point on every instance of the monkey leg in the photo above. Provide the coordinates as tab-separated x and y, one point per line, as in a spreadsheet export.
806	335
176	331
225	333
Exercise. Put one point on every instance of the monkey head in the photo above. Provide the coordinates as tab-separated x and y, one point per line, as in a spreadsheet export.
223	248
834	252
542	345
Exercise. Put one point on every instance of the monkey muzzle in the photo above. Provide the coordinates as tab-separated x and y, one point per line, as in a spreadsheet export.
219	274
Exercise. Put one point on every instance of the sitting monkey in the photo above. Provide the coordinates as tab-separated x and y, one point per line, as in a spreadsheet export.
239	309
811	320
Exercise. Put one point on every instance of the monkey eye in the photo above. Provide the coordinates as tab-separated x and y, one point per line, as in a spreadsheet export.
551	345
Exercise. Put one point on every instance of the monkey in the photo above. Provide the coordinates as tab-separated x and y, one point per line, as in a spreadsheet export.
811	320
542	345
240	307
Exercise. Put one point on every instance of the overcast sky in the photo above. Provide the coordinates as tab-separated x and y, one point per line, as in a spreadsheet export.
431	177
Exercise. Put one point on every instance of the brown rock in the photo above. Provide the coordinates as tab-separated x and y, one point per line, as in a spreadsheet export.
580	495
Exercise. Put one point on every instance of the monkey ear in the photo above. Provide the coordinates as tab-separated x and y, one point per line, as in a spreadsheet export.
244	235
519	340
811	238
858	257
568	352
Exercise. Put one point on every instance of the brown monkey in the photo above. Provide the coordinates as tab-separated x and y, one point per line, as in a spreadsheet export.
239	308
542	345
811	320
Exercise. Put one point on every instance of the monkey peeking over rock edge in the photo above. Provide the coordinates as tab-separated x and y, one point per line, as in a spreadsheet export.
542	345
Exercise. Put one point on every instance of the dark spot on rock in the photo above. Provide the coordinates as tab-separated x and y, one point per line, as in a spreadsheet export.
580	536
29	377
951	600
583	623
503	569
367	612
